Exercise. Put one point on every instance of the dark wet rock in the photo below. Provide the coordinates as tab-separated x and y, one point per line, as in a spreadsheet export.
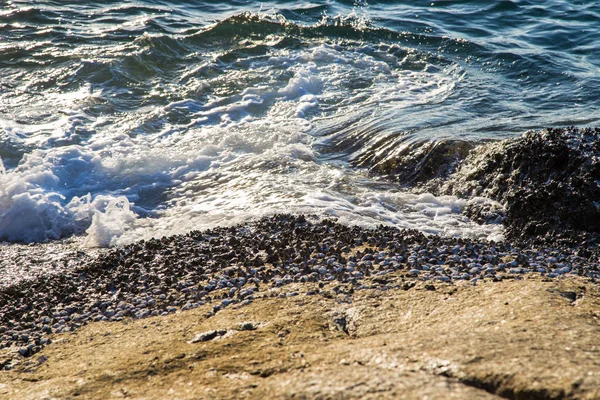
485	212
248	326
548	182
25	351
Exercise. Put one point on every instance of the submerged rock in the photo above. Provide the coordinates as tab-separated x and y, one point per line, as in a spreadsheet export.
416	163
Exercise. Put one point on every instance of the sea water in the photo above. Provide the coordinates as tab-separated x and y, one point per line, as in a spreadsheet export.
125	120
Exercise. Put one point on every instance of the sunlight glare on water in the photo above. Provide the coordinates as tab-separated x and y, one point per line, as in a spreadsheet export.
129	120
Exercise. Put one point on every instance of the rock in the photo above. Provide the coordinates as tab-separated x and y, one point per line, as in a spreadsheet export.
208	335
194	270
507	337
247	326
546	181
24	351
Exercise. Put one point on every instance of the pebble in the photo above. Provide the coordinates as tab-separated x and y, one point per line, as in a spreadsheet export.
162	276
206	336
247	326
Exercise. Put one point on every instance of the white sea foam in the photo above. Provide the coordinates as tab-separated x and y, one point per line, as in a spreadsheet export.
245	153
111	223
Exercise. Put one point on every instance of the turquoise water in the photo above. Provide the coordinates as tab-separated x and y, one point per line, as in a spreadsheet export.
130	119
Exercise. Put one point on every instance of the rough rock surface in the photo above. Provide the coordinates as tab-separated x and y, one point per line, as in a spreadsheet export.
515	339
548	182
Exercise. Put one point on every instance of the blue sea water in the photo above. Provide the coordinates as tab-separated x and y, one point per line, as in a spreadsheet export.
123	120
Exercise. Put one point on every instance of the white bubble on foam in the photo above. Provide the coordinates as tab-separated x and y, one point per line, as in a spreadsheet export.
62	191
33	208
303	83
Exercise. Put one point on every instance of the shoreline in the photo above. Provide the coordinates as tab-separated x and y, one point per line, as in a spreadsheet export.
227	267
550	261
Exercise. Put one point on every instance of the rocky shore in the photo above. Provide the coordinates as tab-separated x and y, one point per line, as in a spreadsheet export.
534	338
545	181
227	267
